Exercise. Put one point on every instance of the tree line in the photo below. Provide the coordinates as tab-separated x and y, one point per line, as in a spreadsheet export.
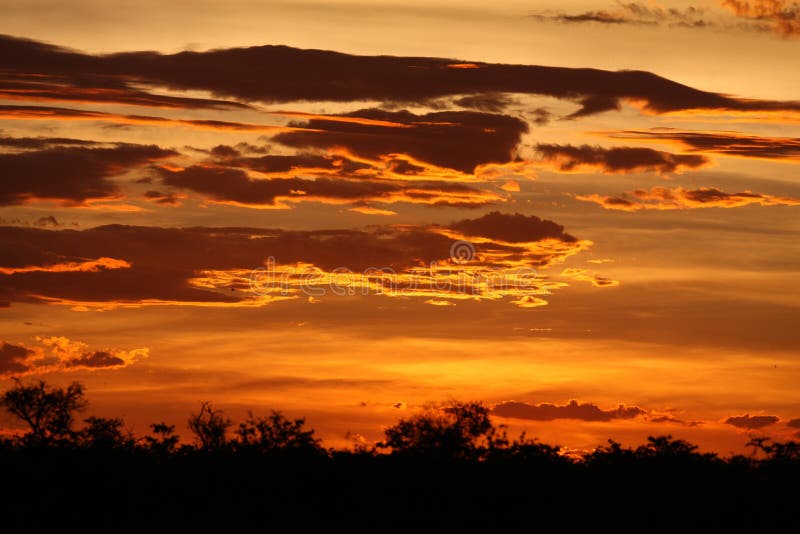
457	430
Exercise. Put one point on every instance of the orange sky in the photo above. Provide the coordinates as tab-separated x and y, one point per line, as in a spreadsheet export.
527	204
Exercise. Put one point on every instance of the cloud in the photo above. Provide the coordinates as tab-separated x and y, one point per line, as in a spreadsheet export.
567	158
70	175
459	140
725	143
586	276
86	266
45	221
673	420
235	186
514	228
13	357
58	353
166	199
369	210
284	74
752	422
154	266
28	143
633	13
437	302
486	102
38	71
678	198
572	410
67	114
781	17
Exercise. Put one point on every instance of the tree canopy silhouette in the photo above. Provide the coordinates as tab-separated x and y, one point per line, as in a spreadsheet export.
276	433
456	430
209	427
49	411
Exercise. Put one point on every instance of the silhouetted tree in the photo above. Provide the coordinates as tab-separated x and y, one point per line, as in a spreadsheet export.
776	451
276	433
524	448
164	440
458	430
209	427
665	447
105	433
49	411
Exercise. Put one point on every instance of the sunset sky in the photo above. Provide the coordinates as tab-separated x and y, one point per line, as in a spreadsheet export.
584	214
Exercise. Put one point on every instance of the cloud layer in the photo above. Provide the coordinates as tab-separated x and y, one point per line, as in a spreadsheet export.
58	353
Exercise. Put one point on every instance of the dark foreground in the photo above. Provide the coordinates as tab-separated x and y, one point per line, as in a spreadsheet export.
124	491
446	469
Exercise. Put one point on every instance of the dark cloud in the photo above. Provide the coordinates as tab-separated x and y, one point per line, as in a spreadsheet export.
617	159
166	199
633	13
57	85
301	162
71	175
487	102
47	221
514	228
284	74
122	121
752	422
572	410
458	140
794	423
727	143
95	360
36	143
674	420
13	358
540	116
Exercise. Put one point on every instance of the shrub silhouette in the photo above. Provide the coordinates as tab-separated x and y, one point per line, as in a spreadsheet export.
458	430
164	440
106	433
209	427
276	433
48	411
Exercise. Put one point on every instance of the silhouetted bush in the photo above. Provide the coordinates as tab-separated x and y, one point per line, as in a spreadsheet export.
209	427
276	434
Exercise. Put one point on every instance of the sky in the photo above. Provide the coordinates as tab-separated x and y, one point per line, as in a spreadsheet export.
584	214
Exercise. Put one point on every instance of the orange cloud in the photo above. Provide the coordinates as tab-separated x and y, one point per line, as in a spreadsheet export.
369	210
58	353
662	198
783	17
88	266
585	276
